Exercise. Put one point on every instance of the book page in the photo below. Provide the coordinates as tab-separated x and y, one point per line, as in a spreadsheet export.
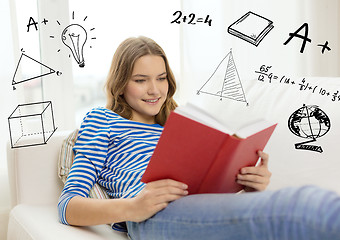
253	128
199	115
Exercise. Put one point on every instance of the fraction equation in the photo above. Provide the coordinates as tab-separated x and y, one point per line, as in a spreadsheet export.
190	19
265	75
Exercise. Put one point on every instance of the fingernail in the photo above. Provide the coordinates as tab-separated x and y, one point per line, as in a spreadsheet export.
185	186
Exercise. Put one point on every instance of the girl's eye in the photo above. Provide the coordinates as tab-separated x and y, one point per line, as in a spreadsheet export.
162	78
139	80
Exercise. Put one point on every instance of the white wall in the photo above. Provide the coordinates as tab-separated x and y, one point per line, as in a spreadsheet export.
6	103
203	46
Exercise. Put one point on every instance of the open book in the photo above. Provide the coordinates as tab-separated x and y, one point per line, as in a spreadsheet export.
198	150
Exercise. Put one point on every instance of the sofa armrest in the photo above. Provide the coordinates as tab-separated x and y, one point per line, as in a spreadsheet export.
32	172
41	223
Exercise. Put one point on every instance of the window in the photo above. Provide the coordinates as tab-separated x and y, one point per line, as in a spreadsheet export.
28	44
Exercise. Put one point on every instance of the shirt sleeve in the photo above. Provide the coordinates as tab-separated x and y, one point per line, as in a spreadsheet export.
90	153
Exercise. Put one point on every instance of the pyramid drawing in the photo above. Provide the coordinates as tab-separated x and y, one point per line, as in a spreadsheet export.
225	81
33	69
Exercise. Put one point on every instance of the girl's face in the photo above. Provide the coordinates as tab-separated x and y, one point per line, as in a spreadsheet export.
147	88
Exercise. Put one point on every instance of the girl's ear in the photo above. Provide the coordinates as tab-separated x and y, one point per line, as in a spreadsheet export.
121	93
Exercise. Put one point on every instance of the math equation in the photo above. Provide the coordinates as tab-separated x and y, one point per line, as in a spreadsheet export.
190	19
264	74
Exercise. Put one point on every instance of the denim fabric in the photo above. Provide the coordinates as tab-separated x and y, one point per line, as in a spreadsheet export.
288	214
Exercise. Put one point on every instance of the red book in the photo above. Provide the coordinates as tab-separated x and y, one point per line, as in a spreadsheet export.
204	154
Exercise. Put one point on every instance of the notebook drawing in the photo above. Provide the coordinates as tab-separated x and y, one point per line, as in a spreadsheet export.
251	27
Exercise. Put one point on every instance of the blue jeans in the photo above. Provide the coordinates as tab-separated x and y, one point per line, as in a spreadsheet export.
291	213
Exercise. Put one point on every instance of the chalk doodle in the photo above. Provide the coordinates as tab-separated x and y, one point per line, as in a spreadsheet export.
31	124
190	19
251	27
305	39
31	22
309	122
35	69
225	81
265	75
73	36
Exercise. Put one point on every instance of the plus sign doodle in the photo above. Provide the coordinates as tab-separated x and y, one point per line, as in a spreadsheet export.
324	47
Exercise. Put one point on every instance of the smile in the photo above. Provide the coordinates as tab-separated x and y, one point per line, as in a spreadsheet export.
151	100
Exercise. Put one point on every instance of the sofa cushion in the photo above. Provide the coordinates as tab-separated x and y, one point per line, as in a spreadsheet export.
44	225
65	161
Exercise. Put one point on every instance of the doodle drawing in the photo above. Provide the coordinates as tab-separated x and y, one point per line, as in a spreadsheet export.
251	27
74	37
225	81
34	69
309	122
31	124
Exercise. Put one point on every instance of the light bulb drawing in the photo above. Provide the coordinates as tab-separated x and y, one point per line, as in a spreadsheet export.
74	37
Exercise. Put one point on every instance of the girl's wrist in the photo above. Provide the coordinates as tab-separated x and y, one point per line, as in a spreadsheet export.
120	210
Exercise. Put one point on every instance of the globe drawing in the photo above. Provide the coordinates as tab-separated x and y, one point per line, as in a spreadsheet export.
309	122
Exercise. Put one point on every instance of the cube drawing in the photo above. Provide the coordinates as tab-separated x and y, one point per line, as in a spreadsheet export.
28	120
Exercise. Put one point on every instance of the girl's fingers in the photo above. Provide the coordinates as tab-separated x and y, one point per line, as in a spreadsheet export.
264	158
260	171
167	183
256	178
252	185
252	178
170	191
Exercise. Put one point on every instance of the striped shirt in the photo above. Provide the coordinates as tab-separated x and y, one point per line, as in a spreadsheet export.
112	151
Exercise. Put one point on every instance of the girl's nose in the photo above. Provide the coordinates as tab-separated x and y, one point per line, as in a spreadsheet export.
153	88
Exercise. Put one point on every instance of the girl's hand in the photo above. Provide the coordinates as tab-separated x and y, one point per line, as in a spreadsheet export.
155	197
255	178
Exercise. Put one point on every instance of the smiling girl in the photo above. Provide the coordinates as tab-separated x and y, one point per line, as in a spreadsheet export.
115	144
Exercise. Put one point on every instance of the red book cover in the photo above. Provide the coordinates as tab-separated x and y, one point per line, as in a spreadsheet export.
204	158
235	154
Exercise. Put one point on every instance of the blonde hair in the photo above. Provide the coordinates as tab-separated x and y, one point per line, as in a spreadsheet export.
121	70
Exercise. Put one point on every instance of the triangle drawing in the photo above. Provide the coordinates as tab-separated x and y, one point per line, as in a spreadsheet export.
32	69
225	81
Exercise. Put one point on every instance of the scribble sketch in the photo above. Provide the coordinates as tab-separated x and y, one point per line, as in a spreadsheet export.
251	27
33	69
309	122
225	81
74	37
31	124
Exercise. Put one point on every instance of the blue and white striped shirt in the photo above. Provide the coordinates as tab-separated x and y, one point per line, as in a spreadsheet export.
112	151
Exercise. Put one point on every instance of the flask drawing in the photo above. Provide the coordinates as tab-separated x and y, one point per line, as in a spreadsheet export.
74	37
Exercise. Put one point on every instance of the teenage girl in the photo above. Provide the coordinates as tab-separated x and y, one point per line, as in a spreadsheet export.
115	144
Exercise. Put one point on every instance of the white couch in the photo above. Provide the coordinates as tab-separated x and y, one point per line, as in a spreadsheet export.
35	188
